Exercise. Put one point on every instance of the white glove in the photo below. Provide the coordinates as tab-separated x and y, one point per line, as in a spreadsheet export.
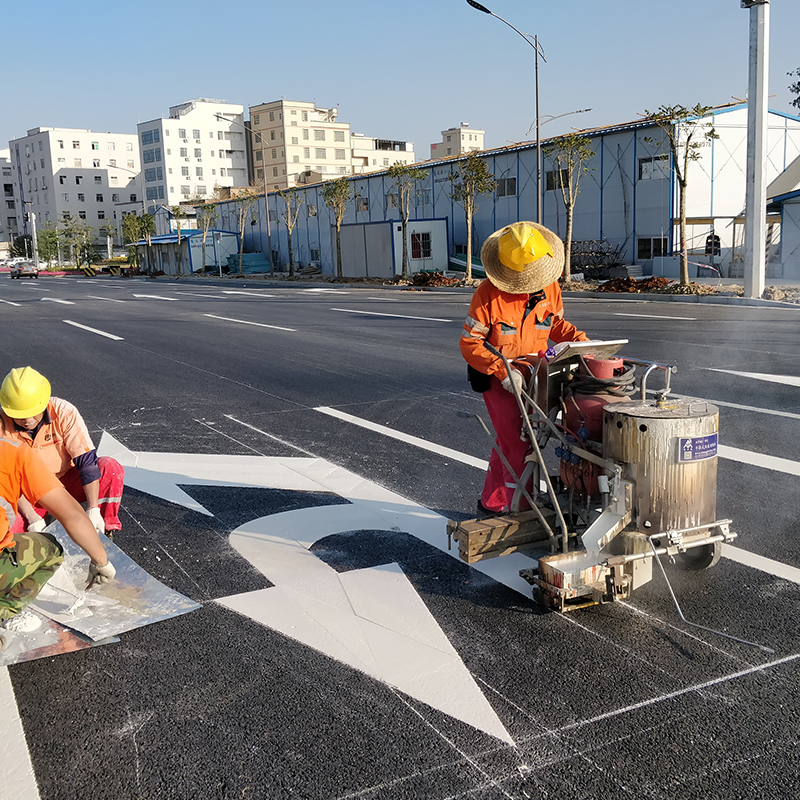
97	519
102	574
38	526
514	378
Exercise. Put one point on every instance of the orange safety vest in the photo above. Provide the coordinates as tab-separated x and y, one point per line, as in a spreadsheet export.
499	318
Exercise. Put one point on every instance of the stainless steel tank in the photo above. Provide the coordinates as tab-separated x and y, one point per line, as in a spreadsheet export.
670	453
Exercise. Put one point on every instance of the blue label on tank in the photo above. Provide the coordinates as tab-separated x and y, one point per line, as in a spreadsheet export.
697	448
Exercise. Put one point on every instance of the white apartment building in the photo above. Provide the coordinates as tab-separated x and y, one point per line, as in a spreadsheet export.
8	213
295	142
458	140
75	171
200	146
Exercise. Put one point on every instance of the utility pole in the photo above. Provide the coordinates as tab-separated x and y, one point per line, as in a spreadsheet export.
34	248
756	184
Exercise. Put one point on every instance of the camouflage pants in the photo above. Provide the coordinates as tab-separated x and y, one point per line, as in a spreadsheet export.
26	566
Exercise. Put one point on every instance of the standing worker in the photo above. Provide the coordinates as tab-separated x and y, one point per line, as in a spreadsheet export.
55	429
517	310
29	560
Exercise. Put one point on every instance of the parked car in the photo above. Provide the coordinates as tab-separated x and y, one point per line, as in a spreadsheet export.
24	269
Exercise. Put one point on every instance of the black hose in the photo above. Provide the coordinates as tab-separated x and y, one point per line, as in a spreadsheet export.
586	383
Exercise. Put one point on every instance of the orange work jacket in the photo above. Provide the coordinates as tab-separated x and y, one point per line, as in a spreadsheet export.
499	318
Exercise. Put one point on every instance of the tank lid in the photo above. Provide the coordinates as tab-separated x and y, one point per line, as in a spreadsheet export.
673	408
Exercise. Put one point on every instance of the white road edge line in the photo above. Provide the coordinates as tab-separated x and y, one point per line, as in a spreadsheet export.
380	314
93	330
652	316
246	322
16	771
767	565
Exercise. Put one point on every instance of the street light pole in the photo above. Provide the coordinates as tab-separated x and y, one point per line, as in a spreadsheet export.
539	53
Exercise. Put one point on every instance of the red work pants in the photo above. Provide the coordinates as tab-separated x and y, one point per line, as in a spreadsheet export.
112	475
498	488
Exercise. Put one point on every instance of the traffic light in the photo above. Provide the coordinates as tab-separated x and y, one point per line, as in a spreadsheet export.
712	245
26	216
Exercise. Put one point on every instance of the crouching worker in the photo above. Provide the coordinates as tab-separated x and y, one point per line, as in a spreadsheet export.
55	429
518	310
29	560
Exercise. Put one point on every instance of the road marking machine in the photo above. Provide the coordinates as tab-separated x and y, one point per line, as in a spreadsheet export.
634	478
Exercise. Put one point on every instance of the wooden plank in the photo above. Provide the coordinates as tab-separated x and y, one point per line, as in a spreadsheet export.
496	536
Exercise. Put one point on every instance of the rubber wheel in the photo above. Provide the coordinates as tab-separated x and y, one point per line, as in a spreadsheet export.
699	558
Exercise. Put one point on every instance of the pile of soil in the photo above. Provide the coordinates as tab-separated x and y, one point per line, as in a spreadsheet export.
786	294
686	288
632	286
578	286
433	279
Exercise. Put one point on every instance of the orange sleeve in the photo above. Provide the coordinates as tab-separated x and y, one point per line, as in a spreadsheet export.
561	330
477	327
36	480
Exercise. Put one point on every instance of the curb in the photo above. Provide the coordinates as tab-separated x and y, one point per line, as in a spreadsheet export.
711	299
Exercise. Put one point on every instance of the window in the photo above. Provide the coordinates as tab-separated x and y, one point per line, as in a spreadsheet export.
256	119
181	133
506	187
81	197
150	174
62	179
391	200
98	198
201	190
149	156
77	163
274	153
129	146
151	193
341	170
10	204
295	159
319	135
65	197
185	171
448	138
112	146
274	172
60	144
76	145
385	162
115	198
223	172
647	247
198	171
305	116
222	154
424	196
41	164
362	204
312	210
81	215
553	182
338	136
129	164
112	162
259	155
62	161
113	180
340	155
96	163
272	116
147	137
156	135
272	135
654	168
319	153
305	134
260	174
198	153
306	152
295	140
219	135
101	215
184	152
420	245
133	198
95	145
185	190
195	133
98	179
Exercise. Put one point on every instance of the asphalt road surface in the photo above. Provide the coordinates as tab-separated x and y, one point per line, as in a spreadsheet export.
367	661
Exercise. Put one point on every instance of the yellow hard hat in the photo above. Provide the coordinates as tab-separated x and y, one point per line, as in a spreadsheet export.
520	245
24	393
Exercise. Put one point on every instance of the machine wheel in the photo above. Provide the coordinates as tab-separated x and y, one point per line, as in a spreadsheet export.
699	558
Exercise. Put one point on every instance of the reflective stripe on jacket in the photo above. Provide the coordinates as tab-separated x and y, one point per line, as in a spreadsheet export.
499	318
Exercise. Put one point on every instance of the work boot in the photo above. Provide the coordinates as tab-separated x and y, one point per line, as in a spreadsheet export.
485	513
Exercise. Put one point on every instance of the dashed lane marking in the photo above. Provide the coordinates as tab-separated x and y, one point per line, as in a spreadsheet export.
10	303
653	316
57	300
247	322
381	314
109	299
93	330
157	297
787	380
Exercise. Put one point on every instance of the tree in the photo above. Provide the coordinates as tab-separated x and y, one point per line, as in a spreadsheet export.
293	202
21	246
470	180
109	231
685	133
569	155
244	204
794	88
79	237
406	179
206	216
47	242
336	195
131	233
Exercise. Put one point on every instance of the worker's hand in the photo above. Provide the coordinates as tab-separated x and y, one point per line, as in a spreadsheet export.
514	378
97	519
38	526
100	574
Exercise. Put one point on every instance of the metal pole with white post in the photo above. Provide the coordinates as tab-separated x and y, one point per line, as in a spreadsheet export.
34	244
756	186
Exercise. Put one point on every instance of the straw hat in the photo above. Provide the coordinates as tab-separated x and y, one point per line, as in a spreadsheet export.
523	258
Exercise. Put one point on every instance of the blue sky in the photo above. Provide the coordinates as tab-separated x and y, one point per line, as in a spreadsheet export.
403	70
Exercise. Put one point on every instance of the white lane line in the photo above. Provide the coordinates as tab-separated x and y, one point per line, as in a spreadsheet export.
56	300
404	437
252	294
246	322
109	299
652	316
93	330
198	294
754	409
385	299
767	565
759	460
788	380
157	297
380	314
10	303
16	771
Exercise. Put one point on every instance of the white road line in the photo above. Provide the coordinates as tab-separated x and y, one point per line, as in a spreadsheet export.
652	316
754	409
246	322
768	565
198	294
788	380
157	297
380	314
93	330
404	437
760	460
252	294
10	303
57	300
109	299
17	780
385	299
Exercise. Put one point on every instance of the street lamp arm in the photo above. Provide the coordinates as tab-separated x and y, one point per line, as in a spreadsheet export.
557	116
526	37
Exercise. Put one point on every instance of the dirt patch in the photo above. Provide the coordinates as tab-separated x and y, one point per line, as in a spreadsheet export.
633	286
785	294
